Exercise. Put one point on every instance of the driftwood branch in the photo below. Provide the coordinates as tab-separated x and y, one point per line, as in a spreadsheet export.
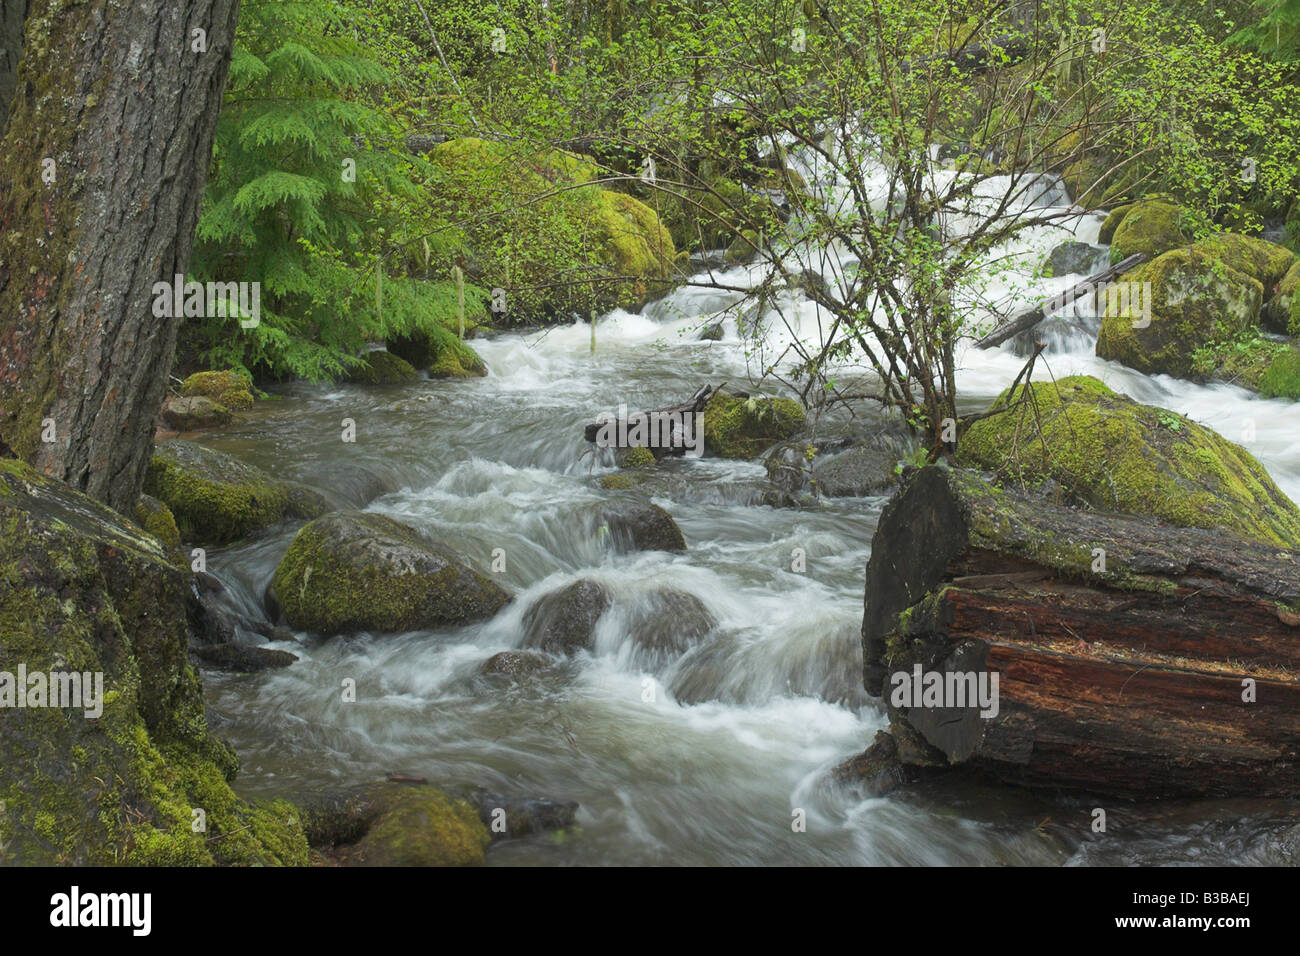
1027	320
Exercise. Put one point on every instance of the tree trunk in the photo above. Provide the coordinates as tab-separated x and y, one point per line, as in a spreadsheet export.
105	156
12	15
1122	646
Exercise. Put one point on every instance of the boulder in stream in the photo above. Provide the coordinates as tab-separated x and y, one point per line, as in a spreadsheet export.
1195	299
108	777
635	525
381	368
1106	451
215	498
564	621
187	414
355	571
743	427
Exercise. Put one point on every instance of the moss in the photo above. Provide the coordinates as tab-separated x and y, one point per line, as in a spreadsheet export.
1152	227
382	368
81	589
1195	299
634	244
408	581
1116	216
1282	313
156	518
423	826
215	498
1282	378
737	427
1257	258
638	458
743	248
620	481
1107	451
228	387
456	360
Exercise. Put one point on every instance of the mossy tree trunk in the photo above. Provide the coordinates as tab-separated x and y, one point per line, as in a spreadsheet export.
105	155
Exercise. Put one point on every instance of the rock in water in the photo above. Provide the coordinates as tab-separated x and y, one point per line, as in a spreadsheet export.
564	621
422	826
633	525
84	590
355	571
190	414
215	498
1107	451
1195	299
1075	258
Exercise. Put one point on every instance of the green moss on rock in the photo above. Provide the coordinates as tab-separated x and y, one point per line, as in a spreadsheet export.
1282	377
156	518
215	498
1257	258
638	458
737	427
1150	226
231	388
422	826
1107	451
82	589
355	571
457	360
1282	312
382	368
1195	299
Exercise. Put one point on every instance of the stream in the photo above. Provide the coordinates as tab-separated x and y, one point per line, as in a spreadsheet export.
705	759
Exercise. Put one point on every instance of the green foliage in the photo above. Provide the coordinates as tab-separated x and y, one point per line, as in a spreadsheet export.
337	254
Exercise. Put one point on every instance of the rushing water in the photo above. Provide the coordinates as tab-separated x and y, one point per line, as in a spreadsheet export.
700	760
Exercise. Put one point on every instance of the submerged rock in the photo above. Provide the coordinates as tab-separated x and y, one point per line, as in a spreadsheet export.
515	665
799	472
564	621
82	589
632	525
215	498
1106	450
513	817
354	571
672	622
241	657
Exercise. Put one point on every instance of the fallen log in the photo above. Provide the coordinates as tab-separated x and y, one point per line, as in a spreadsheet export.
666	431
1030	318
1131	658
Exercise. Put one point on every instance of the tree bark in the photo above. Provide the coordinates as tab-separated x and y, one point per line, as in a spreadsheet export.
105	156
12	15
1123	679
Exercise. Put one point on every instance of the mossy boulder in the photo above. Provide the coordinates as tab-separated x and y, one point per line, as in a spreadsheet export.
382	368
638	457
736	427
548	200
1257	258
184	414
1281	379
304	501
422	826
156	518
215	498
1150	226
1112	221
457	360
1282	312
1195	299
230	388
1105	450
84	590
355	571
